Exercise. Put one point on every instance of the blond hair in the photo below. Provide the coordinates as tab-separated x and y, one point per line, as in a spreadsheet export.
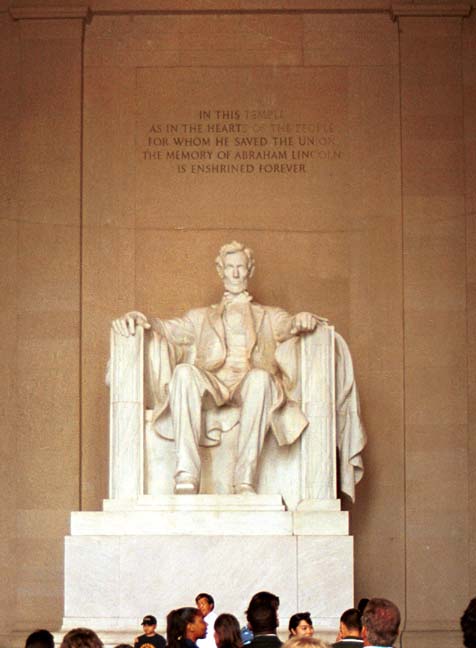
305	642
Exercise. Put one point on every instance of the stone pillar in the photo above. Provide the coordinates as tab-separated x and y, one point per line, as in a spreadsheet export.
44	256
435	357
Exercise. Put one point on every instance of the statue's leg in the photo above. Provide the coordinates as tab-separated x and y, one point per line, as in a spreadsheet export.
186	390
185	393
256	395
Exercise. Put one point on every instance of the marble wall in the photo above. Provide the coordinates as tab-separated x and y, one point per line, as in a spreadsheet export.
434	234
41	280
100	214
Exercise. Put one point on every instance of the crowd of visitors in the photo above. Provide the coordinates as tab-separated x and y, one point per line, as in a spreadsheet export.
374	623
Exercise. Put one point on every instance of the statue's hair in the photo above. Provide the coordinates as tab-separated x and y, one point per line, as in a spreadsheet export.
229	248
381	619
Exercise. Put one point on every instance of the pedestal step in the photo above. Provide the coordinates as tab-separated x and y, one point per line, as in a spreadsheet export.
221	503
211	515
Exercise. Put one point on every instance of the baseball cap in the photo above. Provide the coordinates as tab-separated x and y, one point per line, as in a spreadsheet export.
149	619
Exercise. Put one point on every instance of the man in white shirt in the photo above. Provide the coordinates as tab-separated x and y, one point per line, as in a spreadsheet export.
206	604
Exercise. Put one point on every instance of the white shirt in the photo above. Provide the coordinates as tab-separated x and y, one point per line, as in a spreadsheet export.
209	640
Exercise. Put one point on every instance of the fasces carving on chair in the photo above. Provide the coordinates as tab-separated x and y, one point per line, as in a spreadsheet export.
238	353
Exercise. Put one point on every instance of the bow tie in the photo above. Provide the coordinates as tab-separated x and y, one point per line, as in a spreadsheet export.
241	298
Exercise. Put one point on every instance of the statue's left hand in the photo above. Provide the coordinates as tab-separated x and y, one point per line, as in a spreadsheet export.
305	323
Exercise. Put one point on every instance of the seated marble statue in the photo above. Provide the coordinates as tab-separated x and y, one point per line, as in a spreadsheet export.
236	352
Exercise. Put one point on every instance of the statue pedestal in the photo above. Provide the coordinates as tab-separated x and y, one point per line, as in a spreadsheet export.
153	554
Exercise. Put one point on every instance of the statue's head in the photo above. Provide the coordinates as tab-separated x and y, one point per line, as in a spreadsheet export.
235	265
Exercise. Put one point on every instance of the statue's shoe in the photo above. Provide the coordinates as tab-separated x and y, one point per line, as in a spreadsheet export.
245	489
185	485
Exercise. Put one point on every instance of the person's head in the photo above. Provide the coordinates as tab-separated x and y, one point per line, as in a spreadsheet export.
235	265
300	625
361	605
123	646
184	623
468	625
262	613
351	623
380	622
265	598
205	603
149	623
40	639
81	638
227	631
304	642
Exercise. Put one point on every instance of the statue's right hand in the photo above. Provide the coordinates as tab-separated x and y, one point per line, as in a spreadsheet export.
126	325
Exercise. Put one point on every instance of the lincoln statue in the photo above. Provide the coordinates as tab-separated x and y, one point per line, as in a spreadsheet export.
227	353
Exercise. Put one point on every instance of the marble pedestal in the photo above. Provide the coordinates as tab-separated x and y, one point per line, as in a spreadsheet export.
156	553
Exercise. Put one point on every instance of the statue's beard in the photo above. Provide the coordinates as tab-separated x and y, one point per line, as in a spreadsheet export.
236	287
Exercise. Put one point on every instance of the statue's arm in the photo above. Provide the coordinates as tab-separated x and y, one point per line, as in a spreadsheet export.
179	331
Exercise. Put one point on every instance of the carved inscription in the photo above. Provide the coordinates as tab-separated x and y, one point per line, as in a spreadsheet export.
242	142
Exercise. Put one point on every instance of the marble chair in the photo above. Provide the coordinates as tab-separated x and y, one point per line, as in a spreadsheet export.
304	473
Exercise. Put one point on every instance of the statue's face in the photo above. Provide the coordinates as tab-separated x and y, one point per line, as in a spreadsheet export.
235	272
